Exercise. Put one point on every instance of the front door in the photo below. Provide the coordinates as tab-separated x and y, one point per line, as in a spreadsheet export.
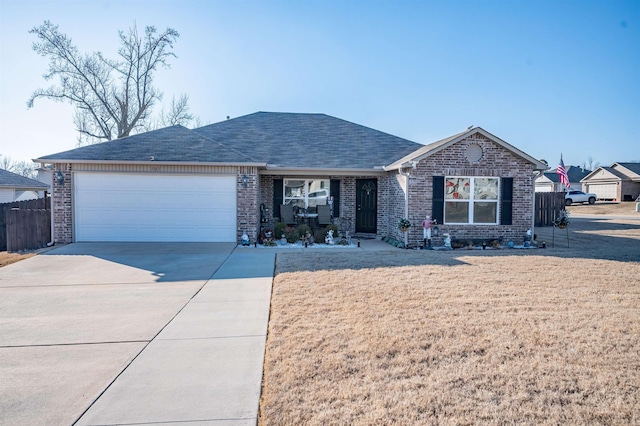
366	205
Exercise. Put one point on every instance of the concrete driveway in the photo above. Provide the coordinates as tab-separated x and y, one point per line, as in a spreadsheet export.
116	333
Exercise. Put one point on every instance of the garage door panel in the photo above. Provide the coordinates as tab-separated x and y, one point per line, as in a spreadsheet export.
604	190
130	207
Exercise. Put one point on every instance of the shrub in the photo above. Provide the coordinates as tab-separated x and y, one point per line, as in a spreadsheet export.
319	236
291	234
303	229
279	230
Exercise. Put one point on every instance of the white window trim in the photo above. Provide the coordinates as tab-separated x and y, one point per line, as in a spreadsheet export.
471	200
306	186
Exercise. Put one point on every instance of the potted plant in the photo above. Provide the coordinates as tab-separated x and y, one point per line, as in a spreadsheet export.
404	225
562	221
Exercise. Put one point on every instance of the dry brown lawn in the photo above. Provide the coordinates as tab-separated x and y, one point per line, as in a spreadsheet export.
604	208
9	258
463	337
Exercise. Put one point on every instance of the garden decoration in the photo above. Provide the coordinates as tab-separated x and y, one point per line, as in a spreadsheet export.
268	238
426	232
329	238
245	238
562	222
447	241
403	226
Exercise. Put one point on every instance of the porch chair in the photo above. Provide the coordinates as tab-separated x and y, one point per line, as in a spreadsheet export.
286	215
324	215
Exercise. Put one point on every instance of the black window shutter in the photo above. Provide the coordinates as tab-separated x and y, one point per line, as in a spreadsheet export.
437	209
506	204
278	193
335	193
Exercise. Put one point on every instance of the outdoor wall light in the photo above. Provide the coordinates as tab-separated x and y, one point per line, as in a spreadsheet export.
245	180
60	177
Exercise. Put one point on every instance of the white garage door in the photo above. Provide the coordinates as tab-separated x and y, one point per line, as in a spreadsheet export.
604	191
137	207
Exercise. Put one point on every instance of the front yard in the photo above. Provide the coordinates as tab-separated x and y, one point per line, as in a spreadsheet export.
464	337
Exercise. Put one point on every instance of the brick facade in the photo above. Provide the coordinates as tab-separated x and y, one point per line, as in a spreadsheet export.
248	208
496	161
394	191
629	189
62	205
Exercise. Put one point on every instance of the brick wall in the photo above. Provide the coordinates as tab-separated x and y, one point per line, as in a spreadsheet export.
248	207
629	187
396	206
61	205
348	204
496	161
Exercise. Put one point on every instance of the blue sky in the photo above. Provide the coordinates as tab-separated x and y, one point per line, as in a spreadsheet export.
546	76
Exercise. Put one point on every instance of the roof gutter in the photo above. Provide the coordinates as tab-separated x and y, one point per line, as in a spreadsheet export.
277	170
44	161
26	188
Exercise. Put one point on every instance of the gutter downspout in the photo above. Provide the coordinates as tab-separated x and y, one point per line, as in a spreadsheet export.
533	217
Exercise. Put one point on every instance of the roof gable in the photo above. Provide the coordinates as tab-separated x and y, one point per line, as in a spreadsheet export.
430	149
630	169
604	173
12	180
310	141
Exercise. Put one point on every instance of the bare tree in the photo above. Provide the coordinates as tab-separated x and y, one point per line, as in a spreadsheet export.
590	164
112	98
179	113
22	168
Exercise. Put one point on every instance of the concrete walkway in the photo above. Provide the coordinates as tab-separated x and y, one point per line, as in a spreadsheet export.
205	366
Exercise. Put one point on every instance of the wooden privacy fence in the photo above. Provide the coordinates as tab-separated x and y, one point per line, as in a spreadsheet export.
25	225
548	207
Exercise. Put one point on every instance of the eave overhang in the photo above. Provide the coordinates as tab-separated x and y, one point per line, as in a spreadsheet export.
44	161
428	150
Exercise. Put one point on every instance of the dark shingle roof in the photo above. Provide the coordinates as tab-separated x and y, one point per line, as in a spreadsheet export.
288	140
176	143
12	180
576	174
634	167
293	140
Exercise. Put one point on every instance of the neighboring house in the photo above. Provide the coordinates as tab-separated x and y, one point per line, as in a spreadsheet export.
618	182
211	183
14	187
550	181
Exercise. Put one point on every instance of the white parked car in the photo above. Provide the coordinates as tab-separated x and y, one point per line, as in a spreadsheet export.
579	197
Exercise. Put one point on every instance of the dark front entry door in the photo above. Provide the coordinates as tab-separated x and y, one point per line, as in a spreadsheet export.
366	205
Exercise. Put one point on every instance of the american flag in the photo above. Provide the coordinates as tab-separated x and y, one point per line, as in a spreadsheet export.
564	178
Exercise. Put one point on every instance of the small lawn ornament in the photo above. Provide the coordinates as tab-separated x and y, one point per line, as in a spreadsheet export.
426	232
527	238
329	238
447	241
245	238
268	238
